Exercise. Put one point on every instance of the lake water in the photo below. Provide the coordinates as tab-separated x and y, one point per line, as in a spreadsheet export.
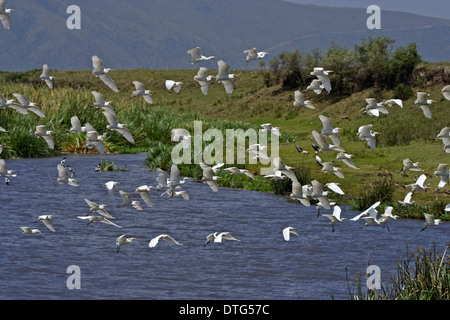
261	266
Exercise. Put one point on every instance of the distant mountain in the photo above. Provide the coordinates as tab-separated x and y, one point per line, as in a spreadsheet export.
156	34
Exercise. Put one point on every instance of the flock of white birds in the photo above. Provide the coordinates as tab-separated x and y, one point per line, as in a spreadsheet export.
172	182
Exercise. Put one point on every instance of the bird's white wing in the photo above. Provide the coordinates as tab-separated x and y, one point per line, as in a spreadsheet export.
426	110
334	187
22	99
49	224
421	180
109	82
4	18
325	81
97	64
50	141
169	84
326	123
286	234
18	108
126	134
223	67
228	85
76	125
169	238
146	197
195	54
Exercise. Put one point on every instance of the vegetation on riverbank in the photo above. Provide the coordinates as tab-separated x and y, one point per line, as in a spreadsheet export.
264	95
421	275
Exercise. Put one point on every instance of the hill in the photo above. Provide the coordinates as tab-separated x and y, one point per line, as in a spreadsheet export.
156	34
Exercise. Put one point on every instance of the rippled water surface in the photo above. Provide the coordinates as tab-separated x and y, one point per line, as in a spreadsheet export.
261	266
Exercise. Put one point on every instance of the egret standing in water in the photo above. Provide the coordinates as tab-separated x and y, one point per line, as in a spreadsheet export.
103	73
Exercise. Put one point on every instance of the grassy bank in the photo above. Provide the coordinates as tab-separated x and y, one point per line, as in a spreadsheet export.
405	132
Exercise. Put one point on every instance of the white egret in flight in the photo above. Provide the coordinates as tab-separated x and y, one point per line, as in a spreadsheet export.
24	102
175	85
119	127
223	76
63	176
446	92
41	131
323	76
330	131
46	220
430	221
219	236
442	172
335	217
287	233
93	139
374	108
315	86
166	237
28	230
297	194
424	103
267	127
346	158
11	104
142	92
123	241
419	184
324	145
99	208
103	73
101	219
196	55
254	54
299	101
408	164
100	102
203	79
407	200
365	133
45	75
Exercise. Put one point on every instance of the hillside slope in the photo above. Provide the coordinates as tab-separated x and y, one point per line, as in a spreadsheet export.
156	34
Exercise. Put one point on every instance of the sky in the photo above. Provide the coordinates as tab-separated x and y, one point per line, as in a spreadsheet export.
431	8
